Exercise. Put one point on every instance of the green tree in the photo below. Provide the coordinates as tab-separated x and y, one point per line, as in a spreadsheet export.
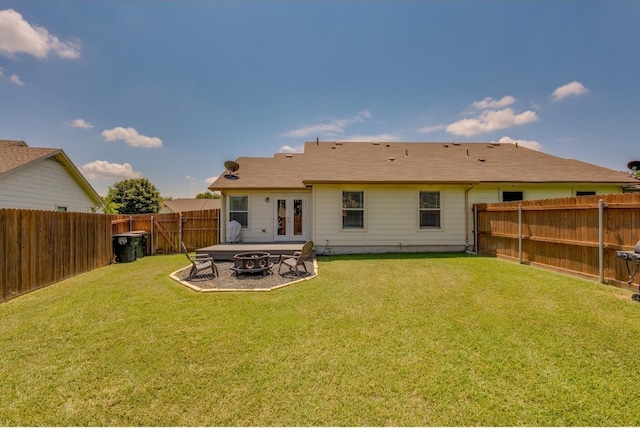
108	206
207	195
135	196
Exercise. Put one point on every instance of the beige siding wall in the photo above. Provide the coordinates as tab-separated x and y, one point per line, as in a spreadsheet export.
391	219
44	185
391	215
261	214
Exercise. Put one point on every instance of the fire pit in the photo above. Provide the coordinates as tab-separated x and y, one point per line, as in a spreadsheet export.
252	263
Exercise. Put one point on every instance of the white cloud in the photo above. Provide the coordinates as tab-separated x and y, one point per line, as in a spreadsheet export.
79	123
489	102
289	149
131	137
430	129
491	120
529	144
105	170
15	79
18	36
330	128
574	88
210	180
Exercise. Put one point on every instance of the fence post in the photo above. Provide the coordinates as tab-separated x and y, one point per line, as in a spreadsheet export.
520	233
152	246
180	230
475	229
601	240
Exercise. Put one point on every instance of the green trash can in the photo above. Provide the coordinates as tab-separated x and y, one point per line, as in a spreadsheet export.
142	243
126	247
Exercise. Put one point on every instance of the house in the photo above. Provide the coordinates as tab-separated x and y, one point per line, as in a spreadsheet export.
42	179
355	197
187	204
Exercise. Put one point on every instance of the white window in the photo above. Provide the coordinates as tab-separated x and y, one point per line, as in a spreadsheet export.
430	210
239	210
353	210
61	208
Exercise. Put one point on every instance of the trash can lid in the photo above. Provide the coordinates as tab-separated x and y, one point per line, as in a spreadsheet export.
129	234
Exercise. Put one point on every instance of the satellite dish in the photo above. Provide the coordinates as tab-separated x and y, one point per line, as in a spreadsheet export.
232	167
634	165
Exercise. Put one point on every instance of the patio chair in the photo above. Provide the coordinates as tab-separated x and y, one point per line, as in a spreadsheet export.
199	263
296	259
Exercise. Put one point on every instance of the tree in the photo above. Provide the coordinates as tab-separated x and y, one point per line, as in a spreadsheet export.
108	206
208	195
135	196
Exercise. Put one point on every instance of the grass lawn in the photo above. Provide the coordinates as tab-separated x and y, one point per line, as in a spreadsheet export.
420	339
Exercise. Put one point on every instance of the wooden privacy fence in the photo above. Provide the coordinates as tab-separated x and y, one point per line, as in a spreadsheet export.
196	229
580	234
39	248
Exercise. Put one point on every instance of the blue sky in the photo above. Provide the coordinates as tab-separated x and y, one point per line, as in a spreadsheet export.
169	90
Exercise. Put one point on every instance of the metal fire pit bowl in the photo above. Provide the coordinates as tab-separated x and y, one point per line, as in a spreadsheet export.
257	262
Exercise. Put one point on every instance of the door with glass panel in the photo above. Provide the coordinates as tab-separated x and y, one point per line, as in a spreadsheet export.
289	218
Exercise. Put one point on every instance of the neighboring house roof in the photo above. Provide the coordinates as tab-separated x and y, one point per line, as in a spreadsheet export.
181	205
360	162
15	155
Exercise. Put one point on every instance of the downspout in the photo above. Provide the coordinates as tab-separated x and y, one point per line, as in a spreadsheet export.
222	221
466	215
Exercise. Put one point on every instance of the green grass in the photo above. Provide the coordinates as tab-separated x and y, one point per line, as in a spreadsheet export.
374	340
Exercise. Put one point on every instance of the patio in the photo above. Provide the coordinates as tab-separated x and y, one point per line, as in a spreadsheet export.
228	280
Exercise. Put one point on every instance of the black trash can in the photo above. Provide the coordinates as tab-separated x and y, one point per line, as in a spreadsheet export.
142	243
126	247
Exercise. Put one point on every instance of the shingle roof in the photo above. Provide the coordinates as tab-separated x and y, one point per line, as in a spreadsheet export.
184	204
359	162
15	154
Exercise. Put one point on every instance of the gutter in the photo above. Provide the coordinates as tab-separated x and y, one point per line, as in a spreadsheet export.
466	214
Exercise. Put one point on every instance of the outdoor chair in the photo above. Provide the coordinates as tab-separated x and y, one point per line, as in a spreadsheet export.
199	263
296	259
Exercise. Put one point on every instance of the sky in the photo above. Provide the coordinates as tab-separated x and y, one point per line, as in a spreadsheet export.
170	90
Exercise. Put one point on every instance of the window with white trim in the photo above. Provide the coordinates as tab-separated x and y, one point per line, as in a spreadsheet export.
353	210
430	213
239	210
